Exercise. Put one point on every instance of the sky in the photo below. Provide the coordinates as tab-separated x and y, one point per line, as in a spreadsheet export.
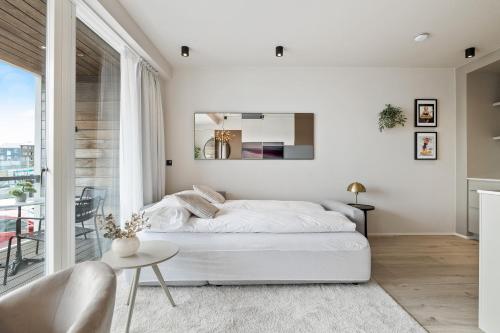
17	105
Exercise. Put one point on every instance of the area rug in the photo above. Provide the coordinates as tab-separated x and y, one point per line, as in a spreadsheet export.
265	308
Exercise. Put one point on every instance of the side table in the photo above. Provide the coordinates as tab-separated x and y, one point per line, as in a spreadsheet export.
365	209
151	253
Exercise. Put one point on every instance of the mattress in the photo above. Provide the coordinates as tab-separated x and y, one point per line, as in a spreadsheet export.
240	258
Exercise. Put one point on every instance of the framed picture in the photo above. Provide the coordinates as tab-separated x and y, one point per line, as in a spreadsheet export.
426	145
426	113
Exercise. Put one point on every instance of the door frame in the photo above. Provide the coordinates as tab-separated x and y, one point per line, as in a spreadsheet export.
60	120
60	110
60	123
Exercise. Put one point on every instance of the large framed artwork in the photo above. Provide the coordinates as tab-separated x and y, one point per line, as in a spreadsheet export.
426	145
426	112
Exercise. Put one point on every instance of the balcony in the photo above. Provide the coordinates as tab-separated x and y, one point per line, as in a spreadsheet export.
86	249
86	246
24	136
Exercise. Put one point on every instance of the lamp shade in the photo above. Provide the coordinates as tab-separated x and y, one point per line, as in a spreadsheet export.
356	187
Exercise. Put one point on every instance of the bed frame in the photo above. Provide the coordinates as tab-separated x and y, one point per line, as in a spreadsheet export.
229	259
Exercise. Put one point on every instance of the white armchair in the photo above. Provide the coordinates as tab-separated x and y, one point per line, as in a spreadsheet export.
77	300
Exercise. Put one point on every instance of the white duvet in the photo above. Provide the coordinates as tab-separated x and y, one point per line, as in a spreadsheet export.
249	216
266	205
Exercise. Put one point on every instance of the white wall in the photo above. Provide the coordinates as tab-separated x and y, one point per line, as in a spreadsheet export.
461	172
410	196
483	123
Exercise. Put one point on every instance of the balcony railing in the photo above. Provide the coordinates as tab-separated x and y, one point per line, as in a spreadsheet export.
34	178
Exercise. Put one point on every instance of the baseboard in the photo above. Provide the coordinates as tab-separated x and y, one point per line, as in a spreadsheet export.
465	237
418	234
387	234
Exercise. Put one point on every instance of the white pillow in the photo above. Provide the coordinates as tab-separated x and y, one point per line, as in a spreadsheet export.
171	200
197	205
209	194
168	218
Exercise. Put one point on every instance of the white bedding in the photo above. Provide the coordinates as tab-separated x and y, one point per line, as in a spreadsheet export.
297	206
241	258
244	242
265	205
249	216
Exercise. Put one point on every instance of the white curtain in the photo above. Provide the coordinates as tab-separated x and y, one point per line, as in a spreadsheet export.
153	142
108	117
131	193
142	143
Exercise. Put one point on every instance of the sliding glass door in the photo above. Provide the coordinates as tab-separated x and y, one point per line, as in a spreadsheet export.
97	131
22	142
59	136
36	207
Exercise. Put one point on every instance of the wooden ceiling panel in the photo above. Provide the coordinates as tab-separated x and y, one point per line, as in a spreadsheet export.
20	18
15	60
27	7
27	43
39	5
22	39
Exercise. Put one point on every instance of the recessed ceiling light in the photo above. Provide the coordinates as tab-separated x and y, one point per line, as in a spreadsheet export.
279	51
421	37
42	47
470	52
185	51
79	54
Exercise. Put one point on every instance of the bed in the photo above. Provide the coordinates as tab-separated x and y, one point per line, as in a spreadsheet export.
278	242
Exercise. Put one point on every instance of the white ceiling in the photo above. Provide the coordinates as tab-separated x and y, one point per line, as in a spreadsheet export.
319	32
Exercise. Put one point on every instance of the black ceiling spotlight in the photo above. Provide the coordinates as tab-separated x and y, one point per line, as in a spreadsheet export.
279	51
185	51
470	52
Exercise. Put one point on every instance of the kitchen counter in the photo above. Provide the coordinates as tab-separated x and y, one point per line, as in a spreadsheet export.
484	179
474	185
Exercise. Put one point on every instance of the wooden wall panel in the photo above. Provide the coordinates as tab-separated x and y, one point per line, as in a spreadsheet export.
96	145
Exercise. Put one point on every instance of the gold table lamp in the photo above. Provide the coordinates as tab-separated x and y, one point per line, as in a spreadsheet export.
356	188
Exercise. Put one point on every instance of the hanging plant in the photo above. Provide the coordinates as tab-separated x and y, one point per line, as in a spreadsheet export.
390	117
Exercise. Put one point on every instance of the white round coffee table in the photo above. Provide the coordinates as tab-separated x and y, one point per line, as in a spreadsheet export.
150	253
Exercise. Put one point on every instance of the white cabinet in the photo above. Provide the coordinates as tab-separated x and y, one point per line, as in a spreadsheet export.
473	185
489	261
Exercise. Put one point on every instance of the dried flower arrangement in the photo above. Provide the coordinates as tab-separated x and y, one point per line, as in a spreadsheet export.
224	136
132	226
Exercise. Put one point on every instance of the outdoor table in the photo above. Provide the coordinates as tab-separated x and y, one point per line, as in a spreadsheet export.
6	204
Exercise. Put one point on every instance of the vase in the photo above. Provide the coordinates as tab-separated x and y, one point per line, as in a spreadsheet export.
125	247
21	198
226	150
223	150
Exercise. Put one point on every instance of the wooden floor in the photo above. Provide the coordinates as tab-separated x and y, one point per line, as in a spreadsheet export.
435	278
